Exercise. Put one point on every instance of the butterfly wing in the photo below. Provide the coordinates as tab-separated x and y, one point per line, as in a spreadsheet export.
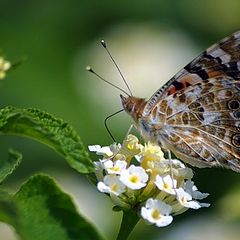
201	108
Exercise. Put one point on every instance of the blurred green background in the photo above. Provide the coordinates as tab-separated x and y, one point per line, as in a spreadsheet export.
151	41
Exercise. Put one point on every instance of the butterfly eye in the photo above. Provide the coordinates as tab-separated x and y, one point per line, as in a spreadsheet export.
130	106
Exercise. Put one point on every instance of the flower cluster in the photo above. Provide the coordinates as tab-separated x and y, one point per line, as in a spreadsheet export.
4	66
138	176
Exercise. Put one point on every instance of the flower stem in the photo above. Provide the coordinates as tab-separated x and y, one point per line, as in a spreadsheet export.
129	221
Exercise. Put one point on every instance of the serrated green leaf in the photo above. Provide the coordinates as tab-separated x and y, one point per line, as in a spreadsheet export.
46	213
8	213
9	165
49	130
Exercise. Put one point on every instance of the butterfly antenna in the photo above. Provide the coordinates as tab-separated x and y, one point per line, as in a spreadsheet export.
110	55
106	125
89	69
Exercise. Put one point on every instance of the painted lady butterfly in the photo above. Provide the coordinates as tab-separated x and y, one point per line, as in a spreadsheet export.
196	114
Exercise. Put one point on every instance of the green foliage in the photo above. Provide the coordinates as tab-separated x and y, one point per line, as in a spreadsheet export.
8	213
9	165
46	213
49	130
7	207
40	209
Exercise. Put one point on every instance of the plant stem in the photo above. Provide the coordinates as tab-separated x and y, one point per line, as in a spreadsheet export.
129	221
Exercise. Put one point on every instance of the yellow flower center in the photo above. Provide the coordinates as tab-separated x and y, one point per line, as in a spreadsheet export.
130	146
114	187
116	168
166	186
134	179
152	150
156	214
183	199
145	163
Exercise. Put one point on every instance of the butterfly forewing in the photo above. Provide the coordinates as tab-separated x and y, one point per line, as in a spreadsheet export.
197	113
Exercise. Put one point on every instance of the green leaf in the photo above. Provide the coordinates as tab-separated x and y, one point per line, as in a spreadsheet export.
49	130
9	165
129	221
8	213
47	213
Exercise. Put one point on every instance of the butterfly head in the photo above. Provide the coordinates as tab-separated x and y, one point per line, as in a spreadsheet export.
133	106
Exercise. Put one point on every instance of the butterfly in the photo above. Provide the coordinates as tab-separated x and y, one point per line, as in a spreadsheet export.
196	114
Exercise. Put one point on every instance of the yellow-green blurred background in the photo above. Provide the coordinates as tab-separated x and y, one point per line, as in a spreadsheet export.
151	40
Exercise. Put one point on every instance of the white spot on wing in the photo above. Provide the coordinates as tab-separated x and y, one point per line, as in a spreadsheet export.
209	118
238	65
218	52
237	34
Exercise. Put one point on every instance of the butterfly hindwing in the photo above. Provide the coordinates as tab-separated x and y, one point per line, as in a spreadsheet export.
201	105
208	123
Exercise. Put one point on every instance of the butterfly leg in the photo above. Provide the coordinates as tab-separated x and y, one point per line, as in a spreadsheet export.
171	169
125	138
129	130
169	154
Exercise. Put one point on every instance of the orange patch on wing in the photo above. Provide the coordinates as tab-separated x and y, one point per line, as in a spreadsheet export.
172	90
213	74
184	82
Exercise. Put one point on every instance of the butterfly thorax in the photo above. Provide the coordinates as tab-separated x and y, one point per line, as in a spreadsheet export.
148	124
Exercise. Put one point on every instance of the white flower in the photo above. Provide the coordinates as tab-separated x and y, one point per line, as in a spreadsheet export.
111	184
186	200
134	177
105	151
192	190
130	147
114	167
150	148
166	184
100	150
115	148
185	173
149	155
157	212
98	170
94	148
138	175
